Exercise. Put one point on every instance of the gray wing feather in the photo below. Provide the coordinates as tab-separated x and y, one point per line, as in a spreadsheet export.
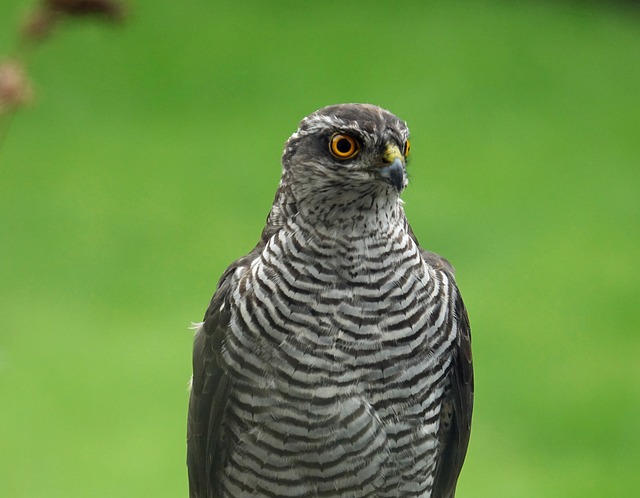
209	391
454	437
210	388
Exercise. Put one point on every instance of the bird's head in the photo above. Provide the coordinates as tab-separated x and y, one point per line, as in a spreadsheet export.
343	154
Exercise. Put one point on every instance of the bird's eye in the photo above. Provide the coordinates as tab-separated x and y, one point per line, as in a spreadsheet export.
343	146
407	148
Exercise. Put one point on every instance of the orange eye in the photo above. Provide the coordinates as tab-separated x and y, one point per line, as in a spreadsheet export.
343	146
407	148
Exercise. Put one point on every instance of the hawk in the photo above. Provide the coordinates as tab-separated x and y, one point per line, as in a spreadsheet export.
334	359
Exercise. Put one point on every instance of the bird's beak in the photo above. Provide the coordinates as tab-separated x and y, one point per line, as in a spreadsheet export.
393	169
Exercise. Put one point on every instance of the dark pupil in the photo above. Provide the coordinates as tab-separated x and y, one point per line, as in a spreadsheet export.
343	145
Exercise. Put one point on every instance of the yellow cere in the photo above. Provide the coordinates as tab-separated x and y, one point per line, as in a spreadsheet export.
392	152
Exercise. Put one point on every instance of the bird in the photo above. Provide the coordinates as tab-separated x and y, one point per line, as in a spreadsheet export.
334	359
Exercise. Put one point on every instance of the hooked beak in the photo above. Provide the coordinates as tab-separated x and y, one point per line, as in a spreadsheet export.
393	170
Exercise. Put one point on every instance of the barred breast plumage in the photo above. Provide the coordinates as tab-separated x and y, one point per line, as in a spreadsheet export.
334	359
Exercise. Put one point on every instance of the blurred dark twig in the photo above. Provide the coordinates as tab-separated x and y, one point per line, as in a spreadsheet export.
110	9
16	89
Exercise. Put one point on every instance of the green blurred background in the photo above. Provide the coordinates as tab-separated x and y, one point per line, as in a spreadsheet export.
149	161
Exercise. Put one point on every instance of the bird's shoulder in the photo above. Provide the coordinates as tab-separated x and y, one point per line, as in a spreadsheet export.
225	286
432	259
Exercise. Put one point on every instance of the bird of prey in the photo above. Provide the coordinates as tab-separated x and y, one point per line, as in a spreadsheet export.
334	359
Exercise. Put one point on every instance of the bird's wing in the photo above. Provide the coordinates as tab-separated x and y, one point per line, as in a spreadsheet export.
455	426
210	387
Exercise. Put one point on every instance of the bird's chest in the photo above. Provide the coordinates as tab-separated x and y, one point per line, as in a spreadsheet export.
338	358
336	317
